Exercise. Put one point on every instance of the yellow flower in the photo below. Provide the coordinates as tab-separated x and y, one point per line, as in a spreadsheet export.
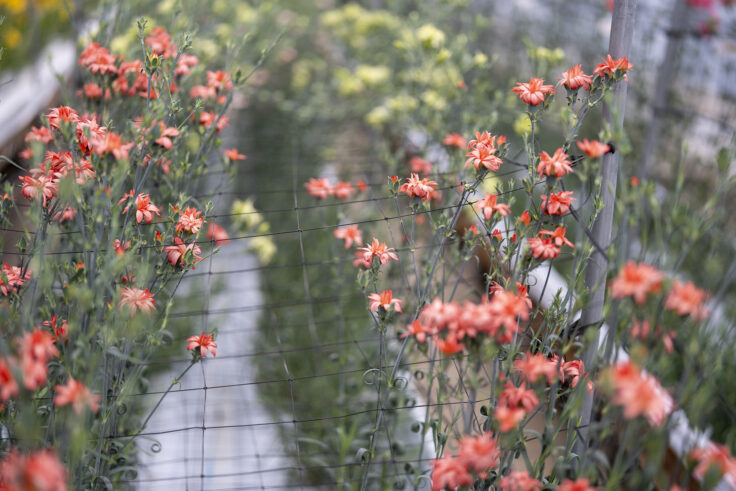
263	247
430	36
348	84
12	37
378	116
443	55
245	214
522	125
434	100
15	7
300	75
480	59
372	75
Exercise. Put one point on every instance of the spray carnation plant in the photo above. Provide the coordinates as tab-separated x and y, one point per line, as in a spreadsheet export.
111	202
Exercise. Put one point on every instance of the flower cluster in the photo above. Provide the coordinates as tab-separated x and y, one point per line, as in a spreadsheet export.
640	280
449	323
639	393
478	455
548	242
424	189
486	151
12	278
40	471
321	188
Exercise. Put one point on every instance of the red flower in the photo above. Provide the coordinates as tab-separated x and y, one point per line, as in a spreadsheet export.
449	345
714	455
120	248
573	369
319	188
11	280
480	453
532	367
218	234
420	166
165	136
160	42
202	344
558	203
350	233
137	299
581	484
417	330
575	78
513	396
639	393
525	218
62	113
533	92
176	252
111	143
343	190
636	280
190	221
378	250
384	300
186	61
508	417
39	471
207	119
92	91
557	164
489	206
544	248
687	299
506	309
419	188
45	187
610	67
59	327
144	208
78	395
449	473
233	155
8	385
519	481
593	149
558	236
484	156
454	140
42	134
219	80
97	59
38	344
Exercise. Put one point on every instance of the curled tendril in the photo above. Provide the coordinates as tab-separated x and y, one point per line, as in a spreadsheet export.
130	474
530	283
101	480
155	447
122	409
371	376
400	383
419	374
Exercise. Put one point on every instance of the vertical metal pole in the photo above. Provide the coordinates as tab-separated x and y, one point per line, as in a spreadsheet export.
622	28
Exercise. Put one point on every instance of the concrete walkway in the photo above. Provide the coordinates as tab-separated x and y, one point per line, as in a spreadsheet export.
237	457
